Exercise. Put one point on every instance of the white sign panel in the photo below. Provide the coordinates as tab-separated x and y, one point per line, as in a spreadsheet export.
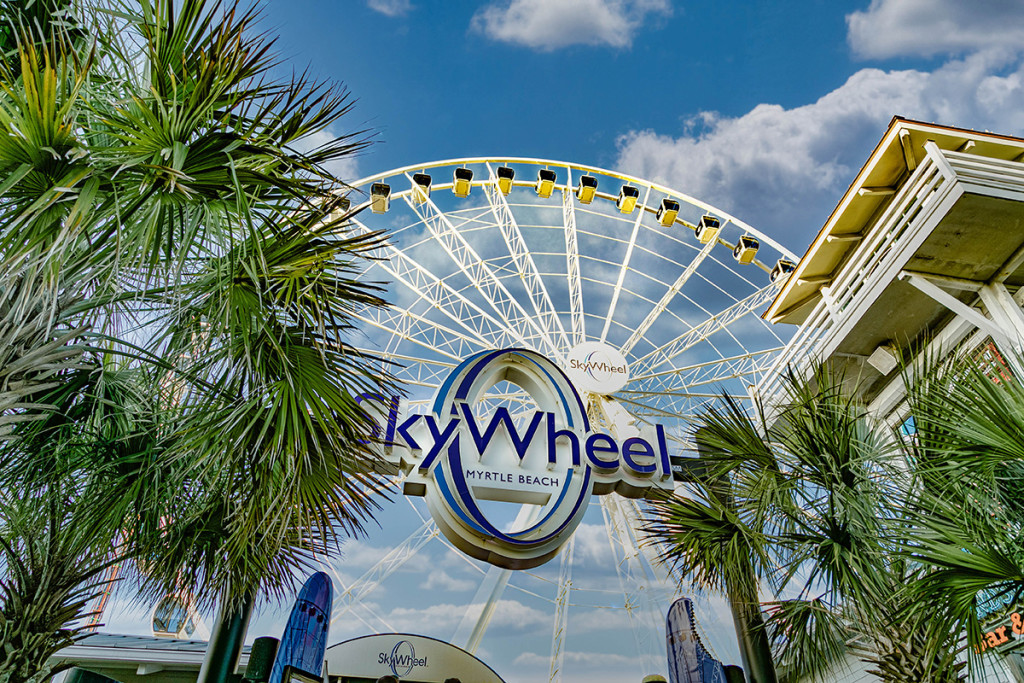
406	656
457	457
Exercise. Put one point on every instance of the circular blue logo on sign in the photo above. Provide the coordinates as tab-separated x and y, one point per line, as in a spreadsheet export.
482	442
493	457
403	658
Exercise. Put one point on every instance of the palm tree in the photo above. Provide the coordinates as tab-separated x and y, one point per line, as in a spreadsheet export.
717	541
814	498
53	568
53	552
154	194
969	461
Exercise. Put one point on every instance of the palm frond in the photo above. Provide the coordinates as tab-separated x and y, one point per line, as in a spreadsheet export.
809	636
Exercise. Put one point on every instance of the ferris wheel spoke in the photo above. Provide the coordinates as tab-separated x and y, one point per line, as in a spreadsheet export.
667	352
686	407
469	262
660	573
390	563
670	294
755	364
635	580
674	410
339	582
702	374
561	611
441	297
572	262
523	260
469	632
417	373
420	331
682	394
625	263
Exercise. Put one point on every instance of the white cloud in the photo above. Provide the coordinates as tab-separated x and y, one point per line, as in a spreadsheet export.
596	660
891	28
552	24
346	168
783	170
358	556
592	548
588	621
509	614
442	580
391	8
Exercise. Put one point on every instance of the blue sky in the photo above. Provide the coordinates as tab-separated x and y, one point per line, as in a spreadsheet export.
764	109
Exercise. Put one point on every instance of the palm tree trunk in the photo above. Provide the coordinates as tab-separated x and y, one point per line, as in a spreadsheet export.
752	637
226	641
755	650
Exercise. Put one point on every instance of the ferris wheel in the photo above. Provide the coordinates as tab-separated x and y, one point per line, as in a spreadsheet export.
571	262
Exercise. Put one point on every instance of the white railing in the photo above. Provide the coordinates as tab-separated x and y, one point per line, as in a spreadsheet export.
858	279
982	175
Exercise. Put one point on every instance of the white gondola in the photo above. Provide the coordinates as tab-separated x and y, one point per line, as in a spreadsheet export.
462	181
707	229
505	177
380	197
746	249
545	182
340	209
667	212
783	267
628	197
175	616
420	187
586	189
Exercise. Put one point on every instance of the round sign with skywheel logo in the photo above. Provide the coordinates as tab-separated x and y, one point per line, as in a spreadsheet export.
597	368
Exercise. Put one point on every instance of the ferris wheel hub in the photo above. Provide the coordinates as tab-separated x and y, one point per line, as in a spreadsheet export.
597	368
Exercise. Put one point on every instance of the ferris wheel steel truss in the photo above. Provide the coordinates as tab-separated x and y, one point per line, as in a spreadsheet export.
481	275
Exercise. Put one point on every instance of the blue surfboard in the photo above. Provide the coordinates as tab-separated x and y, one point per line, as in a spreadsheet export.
305	635
688	660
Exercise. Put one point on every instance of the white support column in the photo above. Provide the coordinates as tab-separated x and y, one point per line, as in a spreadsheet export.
945	342
955	305
561	612
369	581
470	633
1007	314
1004	310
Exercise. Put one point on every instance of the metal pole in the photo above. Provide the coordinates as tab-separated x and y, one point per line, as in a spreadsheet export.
226	641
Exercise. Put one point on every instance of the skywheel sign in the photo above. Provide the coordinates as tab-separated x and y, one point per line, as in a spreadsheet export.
459	458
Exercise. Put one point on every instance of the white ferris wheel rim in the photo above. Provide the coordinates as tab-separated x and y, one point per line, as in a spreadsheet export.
682	196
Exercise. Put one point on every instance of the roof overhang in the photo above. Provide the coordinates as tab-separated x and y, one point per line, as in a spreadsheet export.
895	157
